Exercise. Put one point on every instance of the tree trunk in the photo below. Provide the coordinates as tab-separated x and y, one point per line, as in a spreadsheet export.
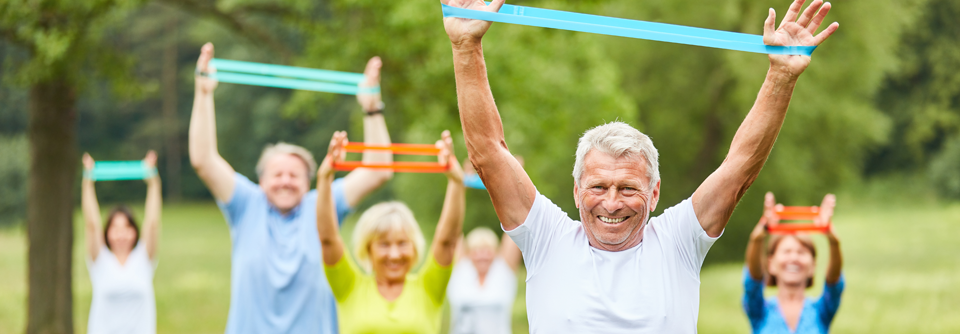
53	170
170	119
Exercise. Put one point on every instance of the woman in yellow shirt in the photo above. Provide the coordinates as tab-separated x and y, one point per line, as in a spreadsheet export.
386	297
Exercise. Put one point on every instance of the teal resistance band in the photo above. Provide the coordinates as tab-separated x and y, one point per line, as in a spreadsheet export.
256	74
120	170
604	25
474	181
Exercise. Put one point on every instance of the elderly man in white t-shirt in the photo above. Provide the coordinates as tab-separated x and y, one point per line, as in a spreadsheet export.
618	271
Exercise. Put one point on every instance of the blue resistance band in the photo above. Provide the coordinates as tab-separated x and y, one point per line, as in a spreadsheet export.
474	181
613	26
257	74
119	171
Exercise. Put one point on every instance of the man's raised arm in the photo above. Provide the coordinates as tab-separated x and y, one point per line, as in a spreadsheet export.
363	181
215	172
716	198
510	188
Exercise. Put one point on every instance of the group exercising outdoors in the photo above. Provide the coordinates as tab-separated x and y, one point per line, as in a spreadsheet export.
615	269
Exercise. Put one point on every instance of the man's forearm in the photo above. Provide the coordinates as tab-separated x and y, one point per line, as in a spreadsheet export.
482	127
203	128
755	138
375	133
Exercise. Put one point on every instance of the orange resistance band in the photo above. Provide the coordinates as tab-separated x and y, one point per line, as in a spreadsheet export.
797	213
397	166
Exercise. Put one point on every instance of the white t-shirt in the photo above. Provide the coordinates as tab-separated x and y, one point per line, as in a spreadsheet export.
574	288
123	301
481	309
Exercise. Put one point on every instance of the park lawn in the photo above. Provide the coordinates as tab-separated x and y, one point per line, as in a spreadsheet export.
901	267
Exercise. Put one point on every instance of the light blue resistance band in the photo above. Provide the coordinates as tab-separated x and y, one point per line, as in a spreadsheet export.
120	170
279	76
474	181
613	26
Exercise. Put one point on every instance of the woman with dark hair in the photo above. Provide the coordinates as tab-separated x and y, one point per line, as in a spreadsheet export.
120	262
791	265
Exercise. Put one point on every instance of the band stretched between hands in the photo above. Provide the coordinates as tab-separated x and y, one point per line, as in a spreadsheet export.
604	25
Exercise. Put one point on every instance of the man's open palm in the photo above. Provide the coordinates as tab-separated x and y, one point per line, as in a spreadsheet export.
797	31
463	30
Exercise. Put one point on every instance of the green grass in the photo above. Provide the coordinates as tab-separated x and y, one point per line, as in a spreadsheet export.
901	264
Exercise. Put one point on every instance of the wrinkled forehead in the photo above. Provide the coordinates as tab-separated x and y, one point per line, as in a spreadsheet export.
600	166
285	163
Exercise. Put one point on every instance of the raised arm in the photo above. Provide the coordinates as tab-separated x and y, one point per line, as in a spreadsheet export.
152	208
758	237
510	252
716	198
331	243
362	181
836	258
93	232
450	227
510	189
215	172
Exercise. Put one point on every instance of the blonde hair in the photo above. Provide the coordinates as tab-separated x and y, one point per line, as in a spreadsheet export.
480	237
282	148
382	218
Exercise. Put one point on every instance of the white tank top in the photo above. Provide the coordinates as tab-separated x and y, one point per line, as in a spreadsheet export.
123	300
485	309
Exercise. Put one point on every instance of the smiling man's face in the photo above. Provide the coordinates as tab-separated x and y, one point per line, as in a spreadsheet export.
615	200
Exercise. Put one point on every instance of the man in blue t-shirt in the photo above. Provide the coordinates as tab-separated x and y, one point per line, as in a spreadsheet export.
277	280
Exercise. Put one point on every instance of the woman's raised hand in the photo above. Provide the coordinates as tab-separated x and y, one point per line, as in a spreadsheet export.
203	77
335	152
769	216
88	161
797	31
151	159
454	172
468	31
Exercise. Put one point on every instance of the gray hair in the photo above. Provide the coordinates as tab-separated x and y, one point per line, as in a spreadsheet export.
282	148
618	139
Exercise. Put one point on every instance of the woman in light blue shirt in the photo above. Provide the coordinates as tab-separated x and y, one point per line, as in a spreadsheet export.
790	266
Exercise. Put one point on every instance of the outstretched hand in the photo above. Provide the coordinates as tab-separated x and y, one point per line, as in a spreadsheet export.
468	31
825	216
770	216
203	80
335	152
371	101
150	159
88	161
797	31
454	172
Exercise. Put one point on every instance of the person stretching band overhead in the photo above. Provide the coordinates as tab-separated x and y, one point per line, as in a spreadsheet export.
121	259
384	297
618	270
483	286
791	264
276	279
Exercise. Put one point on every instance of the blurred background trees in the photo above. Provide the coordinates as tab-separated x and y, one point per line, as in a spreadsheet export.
881	98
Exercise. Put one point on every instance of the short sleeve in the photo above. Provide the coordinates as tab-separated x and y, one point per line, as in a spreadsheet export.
435	279
829	302
681	228
753	303
537	233
342	277
244	191
94	267
340	199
